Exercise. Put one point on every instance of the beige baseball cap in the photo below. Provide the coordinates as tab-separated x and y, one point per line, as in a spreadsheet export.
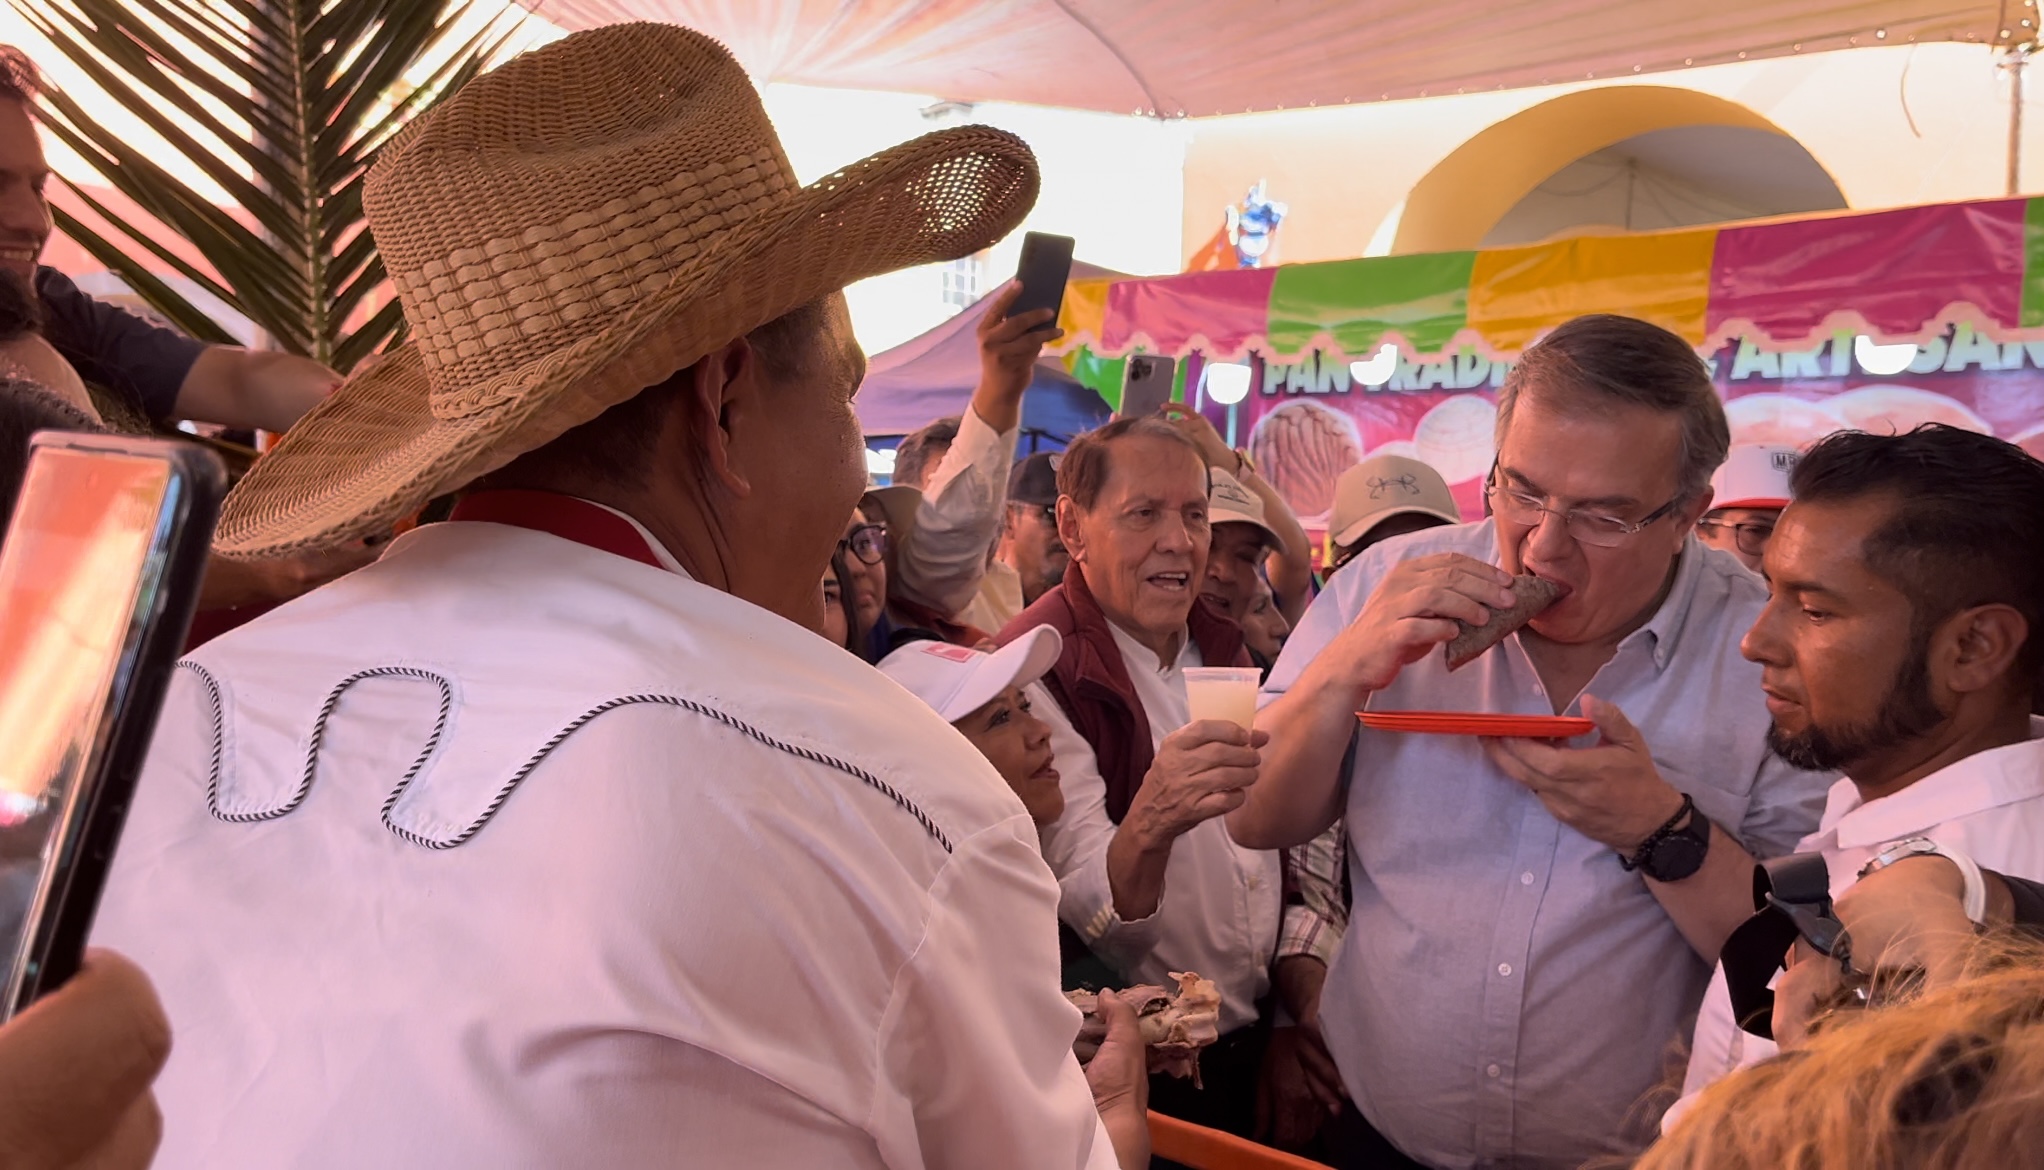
1384	486
1228	502
1754	475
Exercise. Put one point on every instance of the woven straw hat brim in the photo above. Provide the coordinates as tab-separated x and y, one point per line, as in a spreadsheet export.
374	451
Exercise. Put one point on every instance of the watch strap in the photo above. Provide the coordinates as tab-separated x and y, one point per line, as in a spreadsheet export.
1975	898
1670	828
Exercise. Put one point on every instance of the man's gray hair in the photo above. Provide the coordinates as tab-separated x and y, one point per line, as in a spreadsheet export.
1082	470
1605	358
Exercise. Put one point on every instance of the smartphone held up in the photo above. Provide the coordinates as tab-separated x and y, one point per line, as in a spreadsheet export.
99	575
1045	266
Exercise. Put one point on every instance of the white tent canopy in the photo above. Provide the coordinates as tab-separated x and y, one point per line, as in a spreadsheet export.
1199	57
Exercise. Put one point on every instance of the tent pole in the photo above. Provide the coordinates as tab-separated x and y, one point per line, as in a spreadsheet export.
2018	60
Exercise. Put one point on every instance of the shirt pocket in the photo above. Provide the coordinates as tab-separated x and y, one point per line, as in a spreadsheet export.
1715	770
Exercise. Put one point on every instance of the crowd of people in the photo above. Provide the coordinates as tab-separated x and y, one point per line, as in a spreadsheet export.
680	796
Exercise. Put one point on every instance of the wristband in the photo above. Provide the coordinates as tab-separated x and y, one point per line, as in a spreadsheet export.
1975	901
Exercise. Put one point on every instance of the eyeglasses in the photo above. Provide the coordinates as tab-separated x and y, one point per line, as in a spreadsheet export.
1597	529
868	542
1751	537
1048	512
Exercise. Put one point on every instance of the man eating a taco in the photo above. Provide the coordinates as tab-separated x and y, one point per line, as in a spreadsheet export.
1532	921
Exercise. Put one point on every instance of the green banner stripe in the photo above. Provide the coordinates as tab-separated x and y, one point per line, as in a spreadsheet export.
2033	264
1424	298
1102	374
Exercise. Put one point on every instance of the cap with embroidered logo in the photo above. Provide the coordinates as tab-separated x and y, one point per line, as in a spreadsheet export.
1228	502
1384	486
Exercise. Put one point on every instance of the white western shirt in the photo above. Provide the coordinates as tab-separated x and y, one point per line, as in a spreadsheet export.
510	852
1219	913
1988	806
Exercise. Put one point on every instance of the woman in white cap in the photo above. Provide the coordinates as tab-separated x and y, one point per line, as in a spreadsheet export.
981	695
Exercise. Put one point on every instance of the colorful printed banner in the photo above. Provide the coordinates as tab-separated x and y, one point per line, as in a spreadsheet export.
1306	422
1905	275
1809	326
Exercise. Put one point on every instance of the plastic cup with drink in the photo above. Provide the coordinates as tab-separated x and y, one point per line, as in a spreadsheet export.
1226	693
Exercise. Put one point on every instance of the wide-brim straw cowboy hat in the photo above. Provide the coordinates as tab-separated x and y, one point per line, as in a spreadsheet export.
575	226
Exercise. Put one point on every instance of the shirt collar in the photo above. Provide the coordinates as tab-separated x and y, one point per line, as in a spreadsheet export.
1980	782
1136	654
653	545
570	518
1666	626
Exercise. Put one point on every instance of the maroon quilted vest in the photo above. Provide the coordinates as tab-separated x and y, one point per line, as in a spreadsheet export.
1091	683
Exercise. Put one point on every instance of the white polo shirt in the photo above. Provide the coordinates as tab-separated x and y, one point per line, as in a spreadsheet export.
1990	806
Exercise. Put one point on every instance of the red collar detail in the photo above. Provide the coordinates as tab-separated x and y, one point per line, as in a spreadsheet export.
563	516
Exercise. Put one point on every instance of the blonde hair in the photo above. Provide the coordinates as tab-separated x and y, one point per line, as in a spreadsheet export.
1953	1080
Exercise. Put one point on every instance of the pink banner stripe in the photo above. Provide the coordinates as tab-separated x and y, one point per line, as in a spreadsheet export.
1226	309
1897	269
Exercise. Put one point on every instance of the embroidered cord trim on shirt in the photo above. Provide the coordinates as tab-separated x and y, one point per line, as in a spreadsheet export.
746	729
326	712
446	701
219	733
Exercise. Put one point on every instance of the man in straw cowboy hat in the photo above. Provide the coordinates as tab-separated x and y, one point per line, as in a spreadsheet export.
557	837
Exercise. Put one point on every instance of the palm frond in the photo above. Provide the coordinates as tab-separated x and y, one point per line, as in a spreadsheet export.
280	105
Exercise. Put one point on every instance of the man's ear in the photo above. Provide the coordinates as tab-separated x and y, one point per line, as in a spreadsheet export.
1068	532
1696	509
721	396
1974	648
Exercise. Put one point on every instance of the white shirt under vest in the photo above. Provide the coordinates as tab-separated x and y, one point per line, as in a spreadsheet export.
510	852
1218	915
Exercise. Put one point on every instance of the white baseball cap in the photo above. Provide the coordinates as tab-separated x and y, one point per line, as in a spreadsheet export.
1755	475
956	680
1228	502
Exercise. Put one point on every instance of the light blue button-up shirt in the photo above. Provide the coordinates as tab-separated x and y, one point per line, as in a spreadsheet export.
1506	992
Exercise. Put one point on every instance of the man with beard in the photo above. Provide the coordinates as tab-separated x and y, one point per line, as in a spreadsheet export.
149	372
1940	533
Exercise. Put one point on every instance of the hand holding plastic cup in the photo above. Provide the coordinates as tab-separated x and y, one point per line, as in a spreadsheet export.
1225	693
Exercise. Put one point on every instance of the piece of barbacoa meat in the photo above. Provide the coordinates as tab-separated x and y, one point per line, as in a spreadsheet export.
1535	594
1175	1024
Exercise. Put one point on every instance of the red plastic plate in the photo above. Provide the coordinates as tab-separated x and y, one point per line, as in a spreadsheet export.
1464	723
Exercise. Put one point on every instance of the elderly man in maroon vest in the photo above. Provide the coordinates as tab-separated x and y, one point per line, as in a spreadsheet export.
1151	881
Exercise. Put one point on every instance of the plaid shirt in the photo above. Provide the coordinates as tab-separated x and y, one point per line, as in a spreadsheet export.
1316	905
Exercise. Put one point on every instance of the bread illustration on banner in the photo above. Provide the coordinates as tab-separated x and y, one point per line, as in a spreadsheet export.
1302	448
1535	594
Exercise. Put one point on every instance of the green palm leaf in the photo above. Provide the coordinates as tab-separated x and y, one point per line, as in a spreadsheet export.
281	104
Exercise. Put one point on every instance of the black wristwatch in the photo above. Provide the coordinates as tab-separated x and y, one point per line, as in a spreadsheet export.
1676	849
